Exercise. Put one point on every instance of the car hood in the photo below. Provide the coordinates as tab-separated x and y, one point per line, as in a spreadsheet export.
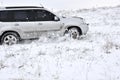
72	19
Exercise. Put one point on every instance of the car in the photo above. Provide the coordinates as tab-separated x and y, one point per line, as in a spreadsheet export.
27	22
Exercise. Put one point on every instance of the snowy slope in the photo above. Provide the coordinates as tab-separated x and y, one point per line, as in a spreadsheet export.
94	57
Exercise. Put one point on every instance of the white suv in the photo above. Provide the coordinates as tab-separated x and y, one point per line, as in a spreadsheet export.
26	22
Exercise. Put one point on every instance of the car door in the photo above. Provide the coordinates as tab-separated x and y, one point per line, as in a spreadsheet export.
45	21
24	22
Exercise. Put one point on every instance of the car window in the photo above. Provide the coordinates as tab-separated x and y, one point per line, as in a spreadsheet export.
42	15
20	15
5	16
31	15
26	15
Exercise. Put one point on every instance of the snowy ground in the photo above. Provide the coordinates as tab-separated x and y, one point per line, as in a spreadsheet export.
94	57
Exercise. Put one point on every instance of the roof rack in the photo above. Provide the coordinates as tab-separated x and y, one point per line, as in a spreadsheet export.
23	7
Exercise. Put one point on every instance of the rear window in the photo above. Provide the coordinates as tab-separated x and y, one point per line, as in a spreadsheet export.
5	16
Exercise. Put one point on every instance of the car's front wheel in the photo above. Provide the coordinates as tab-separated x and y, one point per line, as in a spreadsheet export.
10	38
73	33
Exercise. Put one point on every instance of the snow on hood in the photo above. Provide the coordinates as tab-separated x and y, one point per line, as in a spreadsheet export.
72	19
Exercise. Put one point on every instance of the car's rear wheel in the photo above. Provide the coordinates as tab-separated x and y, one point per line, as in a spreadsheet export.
10	38
73	32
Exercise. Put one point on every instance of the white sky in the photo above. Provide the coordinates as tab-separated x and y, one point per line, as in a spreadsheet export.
62	4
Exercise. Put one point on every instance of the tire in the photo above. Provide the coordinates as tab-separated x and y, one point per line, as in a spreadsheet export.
10	38
73	32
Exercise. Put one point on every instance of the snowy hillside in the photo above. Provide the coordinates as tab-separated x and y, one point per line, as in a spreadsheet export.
94	57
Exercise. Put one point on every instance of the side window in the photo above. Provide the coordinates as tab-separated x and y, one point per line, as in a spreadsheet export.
31	15
42	15
5	16
20	16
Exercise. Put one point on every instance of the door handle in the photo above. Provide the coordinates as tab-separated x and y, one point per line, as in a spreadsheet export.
16	24
40	23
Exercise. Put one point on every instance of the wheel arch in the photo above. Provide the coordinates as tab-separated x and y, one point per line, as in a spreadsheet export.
79	29
10	31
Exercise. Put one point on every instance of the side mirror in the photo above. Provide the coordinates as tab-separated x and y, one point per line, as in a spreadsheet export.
56	18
